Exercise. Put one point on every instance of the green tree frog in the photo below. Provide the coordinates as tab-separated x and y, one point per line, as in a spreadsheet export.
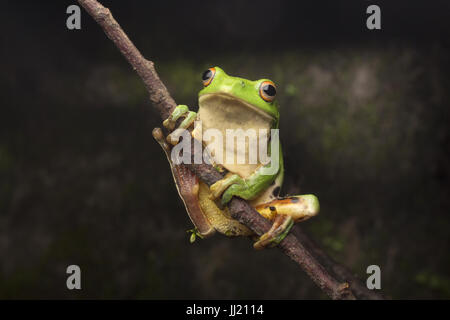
227	102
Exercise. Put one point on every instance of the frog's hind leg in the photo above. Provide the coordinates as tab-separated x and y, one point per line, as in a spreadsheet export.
220	218
284	213
297	207
188	188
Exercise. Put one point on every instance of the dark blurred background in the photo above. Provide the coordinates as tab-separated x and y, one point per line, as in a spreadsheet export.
364	125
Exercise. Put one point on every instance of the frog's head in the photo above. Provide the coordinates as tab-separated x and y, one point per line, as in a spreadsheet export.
254	96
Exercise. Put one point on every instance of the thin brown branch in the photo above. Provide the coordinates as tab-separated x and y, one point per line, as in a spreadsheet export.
157	90
323	274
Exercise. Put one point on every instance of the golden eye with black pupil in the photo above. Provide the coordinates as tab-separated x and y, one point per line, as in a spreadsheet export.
208	75
267	91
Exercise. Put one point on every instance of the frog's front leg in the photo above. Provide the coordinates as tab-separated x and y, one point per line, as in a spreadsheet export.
170	122
230	180
248	188
233	185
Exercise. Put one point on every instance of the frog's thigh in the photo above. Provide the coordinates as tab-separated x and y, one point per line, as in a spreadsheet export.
298	207
220	219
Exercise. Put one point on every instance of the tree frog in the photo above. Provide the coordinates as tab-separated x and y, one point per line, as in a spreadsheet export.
227	102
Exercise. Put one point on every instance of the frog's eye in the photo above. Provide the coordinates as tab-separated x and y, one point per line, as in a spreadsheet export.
208	75
267	91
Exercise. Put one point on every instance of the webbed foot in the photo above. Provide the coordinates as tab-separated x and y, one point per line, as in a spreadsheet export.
284	212
281	226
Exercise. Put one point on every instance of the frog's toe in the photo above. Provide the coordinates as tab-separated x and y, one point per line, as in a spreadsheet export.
281	226
217	189
159	137
171	121
189	120
174	137
169	124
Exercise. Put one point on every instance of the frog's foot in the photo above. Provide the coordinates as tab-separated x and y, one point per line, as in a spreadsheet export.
284	212
220	186
281	226
170	122
194	233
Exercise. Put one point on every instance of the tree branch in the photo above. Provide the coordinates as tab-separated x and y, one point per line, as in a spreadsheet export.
337	285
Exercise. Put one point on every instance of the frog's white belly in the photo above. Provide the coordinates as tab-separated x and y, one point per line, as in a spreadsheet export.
223	112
